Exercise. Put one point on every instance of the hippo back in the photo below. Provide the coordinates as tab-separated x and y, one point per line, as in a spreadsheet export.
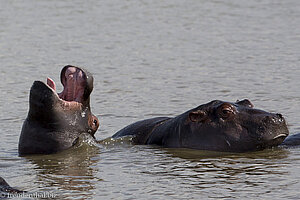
141	130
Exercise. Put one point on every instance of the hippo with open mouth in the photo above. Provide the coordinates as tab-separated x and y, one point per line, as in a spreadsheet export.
215	126
55	120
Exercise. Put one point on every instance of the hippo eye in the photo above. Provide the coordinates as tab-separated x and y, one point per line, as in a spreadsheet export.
226	111
95	122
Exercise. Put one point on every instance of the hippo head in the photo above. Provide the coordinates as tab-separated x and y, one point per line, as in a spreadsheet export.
55	120
236	127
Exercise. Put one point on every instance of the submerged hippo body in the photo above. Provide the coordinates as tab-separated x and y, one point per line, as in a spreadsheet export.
55	120
292	140
215	126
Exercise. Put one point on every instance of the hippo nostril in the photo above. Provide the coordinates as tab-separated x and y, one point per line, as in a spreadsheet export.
274	118
271	119
280	117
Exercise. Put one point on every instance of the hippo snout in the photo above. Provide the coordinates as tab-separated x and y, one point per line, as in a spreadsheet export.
277	127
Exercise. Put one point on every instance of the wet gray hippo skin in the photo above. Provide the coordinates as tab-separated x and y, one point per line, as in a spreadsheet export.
215	126
55	120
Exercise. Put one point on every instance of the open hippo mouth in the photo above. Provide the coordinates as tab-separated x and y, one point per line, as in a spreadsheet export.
71	105
76	89
56	120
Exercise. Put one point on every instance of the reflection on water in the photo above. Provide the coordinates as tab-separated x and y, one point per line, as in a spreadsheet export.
71	172
275	153
177	172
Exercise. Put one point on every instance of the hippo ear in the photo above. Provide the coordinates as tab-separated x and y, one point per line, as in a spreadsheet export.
197	116
245	102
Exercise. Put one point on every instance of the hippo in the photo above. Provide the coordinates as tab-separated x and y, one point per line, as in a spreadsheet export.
55	120
292	140
214	126
5	188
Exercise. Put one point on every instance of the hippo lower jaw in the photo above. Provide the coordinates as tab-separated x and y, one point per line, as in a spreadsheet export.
277	140
67	105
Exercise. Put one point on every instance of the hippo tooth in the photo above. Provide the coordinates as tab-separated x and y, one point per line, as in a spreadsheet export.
51	83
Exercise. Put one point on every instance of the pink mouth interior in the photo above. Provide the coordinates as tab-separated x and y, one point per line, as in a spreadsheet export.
74	82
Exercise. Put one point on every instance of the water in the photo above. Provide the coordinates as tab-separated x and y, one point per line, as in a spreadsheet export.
153	58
